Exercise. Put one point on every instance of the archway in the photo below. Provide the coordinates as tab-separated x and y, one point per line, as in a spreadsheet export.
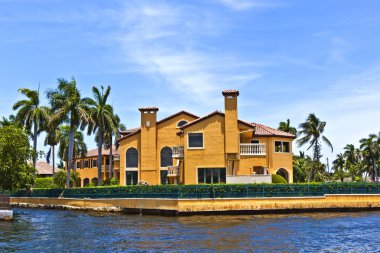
166	157
284	173
86	182
94	181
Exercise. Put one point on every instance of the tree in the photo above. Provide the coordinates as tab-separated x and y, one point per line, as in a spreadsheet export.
339	167
80	148
370	147
15	152
312	133
31	115
52	138
68	106
9	121
102	118
285	126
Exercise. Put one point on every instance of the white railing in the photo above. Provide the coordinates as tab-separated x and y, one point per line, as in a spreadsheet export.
252	149
116	157
173	171
177	151
105	168
249	179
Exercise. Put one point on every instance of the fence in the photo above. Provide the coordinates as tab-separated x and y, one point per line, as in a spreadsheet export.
4	202
207	191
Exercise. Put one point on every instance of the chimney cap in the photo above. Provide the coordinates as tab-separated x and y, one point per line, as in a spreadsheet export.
152	108
230	92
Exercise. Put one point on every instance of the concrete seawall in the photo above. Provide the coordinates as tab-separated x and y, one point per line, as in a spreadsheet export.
351	202
6	215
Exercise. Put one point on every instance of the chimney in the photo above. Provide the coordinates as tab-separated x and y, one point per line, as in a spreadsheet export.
231	121
148	144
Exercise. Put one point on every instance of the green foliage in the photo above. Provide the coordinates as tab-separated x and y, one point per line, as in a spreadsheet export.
60	179
15	152
277	179
208	191
45	182
110	182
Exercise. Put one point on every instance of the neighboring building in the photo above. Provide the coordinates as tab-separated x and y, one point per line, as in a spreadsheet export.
186	149
88	169
43	169
217	148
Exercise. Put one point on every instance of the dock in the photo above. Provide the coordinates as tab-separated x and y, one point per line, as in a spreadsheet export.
6	212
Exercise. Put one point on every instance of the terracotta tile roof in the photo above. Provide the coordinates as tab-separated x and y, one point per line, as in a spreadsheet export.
129	131
43	168
149	108
94	152
263	130
230	92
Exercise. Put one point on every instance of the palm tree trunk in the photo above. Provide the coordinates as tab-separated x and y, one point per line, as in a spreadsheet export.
111	160
53	148
375	170
70	155
312	163
35	144
100	144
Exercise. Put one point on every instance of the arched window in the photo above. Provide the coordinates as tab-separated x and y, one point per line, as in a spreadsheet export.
86	182
132	158
181	123
166	157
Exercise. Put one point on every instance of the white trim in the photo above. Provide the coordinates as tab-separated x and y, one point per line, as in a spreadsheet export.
281	152
203	140
131	169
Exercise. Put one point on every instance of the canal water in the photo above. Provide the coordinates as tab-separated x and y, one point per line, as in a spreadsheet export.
36	230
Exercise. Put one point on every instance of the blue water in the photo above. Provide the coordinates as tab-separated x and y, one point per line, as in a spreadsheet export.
35	230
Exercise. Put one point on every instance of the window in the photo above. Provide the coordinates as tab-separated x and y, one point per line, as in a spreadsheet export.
85	164
107	161
166	157
94	163
255	141
282	146
211	175
78	165
164	177
195	140
132	158
131	177
181	123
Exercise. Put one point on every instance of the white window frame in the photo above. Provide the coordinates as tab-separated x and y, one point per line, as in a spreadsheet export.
281	152
203	140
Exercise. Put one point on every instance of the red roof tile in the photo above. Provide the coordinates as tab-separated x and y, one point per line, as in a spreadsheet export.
149	108
230	92
268	131
94	152
43	168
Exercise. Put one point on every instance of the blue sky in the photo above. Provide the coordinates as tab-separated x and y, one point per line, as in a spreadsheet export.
287	58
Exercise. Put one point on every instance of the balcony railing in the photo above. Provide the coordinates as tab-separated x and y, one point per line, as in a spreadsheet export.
177	151
173	171
116	157
252	149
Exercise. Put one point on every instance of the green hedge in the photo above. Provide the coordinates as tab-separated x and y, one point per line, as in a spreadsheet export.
45	182
277	179
207	191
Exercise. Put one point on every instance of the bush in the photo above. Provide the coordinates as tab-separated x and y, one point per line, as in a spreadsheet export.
110	182
277	179
46	182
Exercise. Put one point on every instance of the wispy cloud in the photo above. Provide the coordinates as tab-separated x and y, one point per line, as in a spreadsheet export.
167	40
245	4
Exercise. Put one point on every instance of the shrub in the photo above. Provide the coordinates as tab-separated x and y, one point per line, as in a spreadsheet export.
277	179
46	182
110	182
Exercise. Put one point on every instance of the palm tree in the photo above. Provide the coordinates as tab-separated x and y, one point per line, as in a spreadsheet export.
339	167
312	131
31	115
10	121
52	138
370	147
68	106
102	118
285	126
80	148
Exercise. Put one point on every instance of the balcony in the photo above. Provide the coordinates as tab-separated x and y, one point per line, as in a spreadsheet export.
252	149
116	157
177	151
173	171
249	179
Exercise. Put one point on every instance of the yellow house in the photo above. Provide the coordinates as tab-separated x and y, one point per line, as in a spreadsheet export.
217	148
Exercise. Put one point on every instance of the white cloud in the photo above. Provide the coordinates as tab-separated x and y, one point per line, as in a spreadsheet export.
244	4
166	40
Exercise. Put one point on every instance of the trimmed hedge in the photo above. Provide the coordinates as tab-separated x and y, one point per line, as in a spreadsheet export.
278	179
207	191
45	182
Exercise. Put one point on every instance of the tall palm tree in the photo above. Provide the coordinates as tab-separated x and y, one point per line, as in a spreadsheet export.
31	115
102	118
371	149
10	121
80	148
53	133
339	167
69	106
286	127
312	133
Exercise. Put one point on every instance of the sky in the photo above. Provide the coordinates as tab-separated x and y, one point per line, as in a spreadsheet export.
287	58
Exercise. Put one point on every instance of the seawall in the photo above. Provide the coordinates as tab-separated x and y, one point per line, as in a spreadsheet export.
336	202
